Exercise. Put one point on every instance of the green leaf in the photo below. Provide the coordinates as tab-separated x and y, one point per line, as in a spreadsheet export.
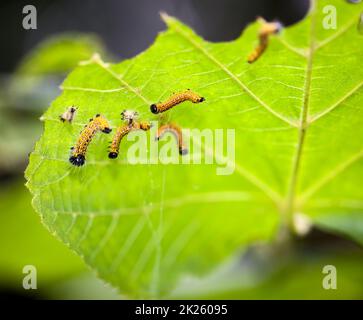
298	124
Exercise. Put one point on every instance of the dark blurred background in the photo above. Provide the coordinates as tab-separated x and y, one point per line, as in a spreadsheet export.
129	26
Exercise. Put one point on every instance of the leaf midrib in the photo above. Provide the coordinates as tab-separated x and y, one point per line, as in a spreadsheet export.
305	121
289	207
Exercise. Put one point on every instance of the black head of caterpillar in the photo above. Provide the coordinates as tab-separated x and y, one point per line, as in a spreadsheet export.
267	29
69	114
78	160
121	132
177	132
175	99
78	152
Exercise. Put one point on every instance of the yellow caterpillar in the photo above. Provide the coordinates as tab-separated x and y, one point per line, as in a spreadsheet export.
175	99
116	140
177	132
98	123
121	132
267	29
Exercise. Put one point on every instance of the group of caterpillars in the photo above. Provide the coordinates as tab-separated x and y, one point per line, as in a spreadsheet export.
100	123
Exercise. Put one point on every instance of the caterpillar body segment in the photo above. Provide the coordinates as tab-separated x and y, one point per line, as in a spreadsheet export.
121	132
78	152
176	99
142	125
116	140
259	50
266	30
177	132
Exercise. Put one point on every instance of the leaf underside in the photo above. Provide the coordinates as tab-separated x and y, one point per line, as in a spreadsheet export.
299	130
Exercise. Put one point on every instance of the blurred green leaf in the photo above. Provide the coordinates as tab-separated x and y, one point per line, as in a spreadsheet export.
32	87
24	241
17	141
296	276
83	287
37	77
298	150
60	54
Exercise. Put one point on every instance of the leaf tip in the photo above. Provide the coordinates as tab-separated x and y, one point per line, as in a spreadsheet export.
95	58
166	18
